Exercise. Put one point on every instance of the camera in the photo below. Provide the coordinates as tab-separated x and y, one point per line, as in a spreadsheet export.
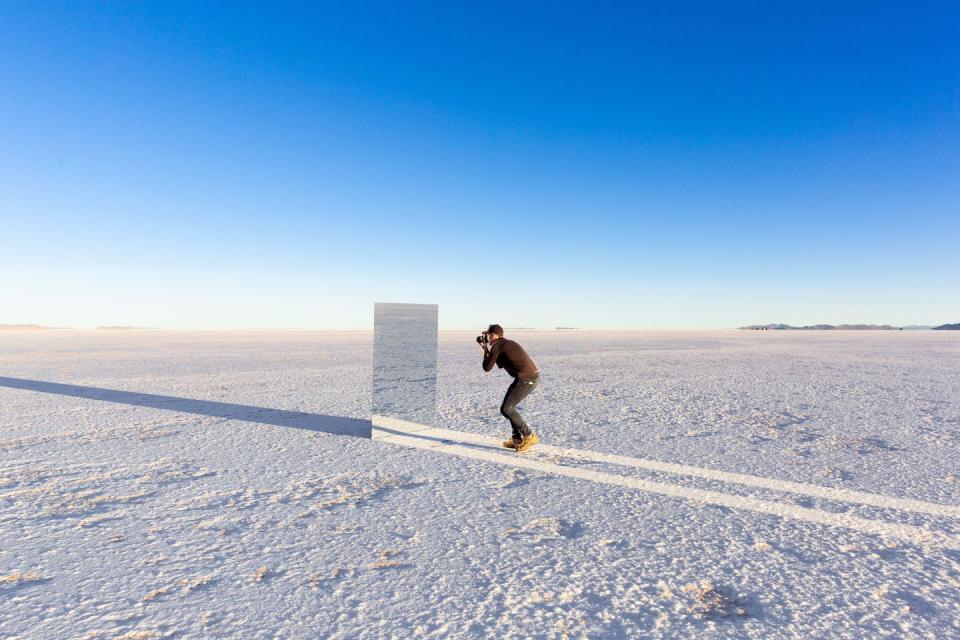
483	338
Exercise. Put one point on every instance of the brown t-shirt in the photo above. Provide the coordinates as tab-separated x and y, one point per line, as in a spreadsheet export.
509	355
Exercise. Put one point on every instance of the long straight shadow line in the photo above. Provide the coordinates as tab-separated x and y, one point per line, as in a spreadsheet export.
339	425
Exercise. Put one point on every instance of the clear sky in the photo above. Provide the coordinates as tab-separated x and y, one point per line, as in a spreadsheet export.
618	166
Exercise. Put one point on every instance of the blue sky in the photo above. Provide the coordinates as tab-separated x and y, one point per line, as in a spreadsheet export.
607	166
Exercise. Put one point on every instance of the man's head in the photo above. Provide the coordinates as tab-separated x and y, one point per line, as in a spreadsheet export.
495	331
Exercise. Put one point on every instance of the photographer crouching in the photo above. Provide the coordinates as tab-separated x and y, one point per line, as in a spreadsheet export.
509	355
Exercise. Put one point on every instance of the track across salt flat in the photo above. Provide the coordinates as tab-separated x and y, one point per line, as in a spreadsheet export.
480	447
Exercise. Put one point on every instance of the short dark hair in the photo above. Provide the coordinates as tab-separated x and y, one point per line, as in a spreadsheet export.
495	328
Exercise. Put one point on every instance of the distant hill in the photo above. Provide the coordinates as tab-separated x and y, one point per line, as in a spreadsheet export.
770	327
26	327
822	327
566	329
918	327
949	327
122	328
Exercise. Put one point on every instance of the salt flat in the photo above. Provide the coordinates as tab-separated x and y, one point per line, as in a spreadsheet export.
163	484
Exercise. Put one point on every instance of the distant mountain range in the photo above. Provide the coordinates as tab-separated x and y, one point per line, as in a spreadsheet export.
841	327
823	327
949	327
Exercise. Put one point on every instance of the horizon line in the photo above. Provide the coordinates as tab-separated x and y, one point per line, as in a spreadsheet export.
36	328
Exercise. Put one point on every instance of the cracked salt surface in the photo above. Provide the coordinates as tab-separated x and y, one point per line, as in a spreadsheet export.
119	520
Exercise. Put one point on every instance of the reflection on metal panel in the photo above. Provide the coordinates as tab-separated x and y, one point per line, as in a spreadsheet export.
404	364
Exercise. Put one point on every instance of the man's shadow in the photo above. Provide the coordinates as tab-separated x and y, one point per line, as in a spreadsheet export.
338	425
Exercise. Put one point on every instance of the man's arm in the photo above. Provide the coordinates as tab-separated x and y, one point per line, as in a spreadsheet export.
490	357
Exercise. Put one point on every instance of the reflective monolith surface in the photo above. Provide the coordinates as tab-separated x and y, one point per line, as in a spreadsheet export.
404	365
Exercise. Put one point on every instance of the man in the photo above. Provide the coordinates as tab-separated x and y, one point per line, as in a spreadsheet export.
509	355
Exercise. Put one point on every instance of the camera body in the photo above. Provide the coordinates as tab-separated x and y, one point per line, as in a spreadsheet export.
483	338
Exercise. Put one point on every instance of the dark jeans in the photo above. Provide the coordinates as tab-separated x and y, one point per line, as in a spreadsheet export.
516	392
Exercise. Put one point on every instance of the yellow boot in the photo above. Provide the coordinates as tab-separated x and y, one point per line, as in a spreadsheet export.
528	441
510	444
